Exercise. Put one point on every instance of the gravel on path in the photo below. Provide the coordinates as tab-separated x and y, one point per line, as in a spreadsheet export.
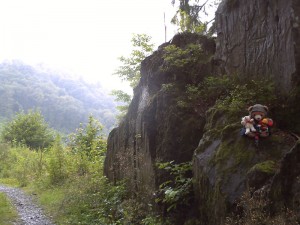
29	212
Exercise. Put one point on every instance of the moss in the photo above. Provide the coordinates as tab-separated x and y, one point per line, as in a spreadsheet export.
268	167
214	118
230	129
234	147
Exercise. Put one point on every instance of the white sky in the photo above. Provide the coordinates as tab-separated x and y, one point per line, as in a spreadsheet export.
82	36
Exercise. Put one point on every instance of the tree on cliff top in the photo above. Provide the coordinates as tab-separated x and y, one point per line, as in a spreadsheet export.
130	68
188	15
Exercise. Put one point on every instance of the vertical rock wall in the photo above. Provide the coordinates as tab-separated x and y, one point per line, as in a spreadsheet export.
260	38
257	38
156	128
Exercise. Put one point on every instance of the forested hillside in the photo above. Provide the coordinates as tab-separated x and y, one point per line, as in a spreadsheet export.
65	102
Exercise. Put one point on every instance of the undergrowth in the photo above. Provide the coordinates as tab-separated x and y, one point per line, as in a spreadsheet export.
69	182
7	213
230	94
255	209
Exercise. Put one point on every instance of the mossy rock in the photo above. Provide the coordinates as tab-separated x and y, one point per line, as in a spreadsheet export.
260	173
229	163
268	167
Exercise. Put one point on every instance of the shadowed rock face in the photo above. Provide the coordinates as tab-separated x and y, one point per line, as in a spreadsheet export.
260	38
256	38
226	165
156	129
285	186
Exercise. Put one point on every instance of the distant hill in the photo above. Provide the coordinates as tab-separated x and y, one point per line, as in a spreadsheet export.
65	102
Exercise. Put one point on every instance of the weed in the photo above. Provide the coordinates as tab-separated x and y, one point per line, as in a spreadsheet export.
7	213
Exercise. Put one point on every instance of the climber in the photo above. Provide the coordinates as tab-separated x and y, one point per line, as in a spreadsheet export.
257	125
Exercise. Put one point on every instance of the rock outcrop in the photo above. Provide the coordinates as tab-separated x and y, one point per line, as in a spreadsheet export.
156	128
255	39
285	186
260	38
227	165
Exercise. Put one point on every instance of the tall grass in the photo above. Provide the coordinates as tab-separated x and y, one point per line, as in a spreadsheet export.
7	213
71	186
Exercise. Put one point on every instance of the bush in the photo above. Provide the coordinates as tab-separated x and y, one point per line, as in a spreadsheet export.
88	140
20	163
29	129
57	163
180	60
92	200
230	94
177	191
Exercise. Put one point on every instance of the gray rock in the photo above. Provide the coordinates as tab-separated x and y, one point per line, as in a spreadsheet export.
260	38
156	129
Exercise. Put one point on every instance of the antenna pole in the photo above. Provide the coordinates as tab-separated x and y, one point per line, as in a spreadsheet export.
165	27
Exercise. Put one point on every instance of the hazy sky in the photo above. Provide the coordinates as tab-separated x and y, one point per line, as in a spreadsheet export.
84	36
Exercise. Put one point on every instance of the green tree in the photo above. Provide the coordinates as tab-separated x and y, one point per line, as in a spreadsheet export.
56	167
188	18
29	129
130	69
89	140
122	96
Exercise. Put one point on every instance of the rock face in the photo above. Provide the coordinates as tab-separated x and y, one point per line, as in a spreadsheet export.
156	128
285	187
226	165
260	38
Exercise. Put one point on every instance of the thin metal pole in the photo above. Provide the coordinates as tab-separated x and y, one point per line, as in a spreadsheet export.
165	27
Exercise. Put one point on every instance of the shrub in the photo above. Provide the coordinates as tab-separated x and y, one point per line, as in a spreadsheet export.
228	93
176	192
29	129
20	163
180	59
88	141
92	200
57	163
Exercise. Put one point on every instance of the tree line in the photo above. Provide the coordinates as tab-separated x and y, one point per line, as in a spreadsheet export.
64	102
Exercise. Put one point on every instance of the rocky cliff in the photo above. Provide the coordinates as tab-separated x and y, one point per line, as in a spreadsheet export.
156	129
260	38
256	40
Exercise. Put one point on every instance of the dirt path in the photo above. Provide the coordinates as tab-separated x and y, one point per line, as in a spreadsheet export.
29	212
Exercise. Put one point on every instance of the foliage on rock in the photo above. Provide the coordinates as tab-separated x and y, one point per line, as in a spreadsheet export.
176	193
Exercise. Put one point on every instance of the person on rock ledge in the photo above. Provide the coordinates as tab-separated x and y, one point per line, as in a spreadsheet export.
257	124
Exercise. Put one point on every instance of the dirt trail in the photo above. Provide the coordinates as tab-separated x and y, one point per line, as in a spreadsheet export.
29	212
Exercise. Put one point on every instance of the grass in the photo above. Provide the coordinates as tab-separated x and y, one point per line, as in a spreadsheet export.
12	182
50	199
7	212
